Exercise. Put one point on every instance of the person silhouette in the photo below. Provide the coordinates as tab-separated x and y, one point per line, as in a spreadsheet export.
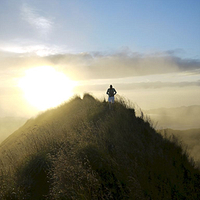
111	92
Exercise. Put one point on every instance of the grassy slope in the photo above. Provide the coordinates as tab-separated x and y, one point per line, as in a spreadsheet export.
82	150
190	138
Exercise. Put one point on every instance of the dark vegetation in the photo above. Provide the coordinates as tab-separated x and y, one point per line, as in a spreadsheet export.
190	139
83	150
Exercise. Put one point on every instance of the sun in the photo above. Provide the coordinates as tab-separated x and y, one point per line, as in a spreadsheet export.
44	87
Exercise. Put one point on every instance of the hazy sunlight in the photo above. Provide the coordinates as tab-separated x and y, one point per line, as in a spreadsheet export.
44	87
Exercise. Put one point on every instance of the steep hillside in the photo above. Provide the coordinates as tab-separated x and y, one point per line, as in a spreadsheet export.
190	138
83	150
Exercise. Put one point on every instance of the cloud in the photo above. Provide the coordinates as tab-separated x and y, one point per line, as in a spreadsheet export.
42	24
127	71
136	86
106	66
34	49
93	66
157	85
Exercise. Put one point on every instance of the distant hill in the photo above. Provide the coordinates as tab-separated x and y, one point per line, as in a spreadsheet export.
8	125
83	150
185	117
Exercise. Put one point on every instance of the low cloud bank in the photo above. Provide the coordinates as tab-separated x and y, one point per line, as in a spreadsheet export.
105	66
85	66
142	85
137	76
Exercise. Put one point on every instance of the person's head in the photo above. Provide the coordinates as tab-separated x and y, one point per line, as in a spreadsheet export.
110	86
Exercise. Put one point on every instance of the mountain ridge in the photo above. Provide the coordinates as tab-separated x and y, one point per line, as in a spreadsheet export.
83	150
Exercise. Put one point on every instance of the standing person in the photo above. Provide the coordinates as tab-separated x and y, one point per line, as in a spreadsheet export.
111	93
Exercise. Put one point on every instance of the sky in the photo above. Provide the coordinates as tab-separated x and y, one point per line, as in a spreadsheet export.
148	50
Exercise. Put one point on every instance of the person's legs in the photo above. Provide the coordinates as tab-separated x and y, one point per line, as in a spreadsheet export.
111	101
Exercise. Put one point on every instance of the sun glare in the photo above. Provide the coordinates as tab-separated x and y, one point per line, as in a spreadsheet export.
44	87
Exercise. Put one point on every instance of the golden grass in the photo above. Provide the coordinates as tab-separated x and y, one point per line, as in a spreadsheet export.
83	150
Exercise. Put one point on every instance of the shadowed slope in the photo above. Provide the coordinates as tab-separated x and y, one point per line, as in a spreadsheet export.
83	150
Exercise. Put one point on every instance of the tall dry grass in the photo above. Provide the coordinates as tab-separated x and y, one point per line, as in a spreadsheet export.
83	150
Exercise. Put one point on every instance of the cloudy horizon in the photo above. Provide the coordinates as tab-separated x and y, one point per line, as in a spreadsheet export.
150	52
